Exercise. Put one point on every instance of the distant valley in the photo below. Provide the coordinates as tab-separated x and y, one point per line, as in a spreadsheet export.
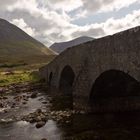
60	47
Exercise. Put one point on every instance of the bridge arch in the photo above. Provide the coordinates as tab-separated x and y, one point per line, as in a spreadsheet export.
114	83
67	77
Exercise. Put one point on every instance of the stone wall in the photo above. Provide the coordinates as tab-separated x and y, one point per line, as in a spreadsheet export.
119	52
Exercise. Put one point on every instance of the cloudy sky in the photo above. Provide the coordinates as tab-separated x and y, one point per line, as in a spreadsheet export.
52	21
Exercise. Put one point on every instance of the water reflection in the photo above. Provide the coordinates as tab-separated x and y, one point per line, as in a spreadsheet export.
26	131
22	130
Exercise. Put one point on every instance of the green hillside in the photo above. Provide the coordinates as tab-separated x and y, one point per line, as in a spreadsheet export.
17	47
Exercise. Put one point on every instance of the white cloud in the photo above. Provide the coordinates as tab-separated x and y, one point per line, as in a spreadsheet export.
108	27
65	5
105	5
5	3
21	24
50	20
115	25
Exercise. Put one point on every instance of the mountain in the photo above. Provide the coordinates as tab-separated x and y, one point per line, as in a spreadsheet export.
16	44
60	47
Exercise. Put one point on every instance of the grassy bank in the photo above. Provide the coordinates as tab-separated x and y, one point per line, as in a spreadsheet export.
7	78
19	70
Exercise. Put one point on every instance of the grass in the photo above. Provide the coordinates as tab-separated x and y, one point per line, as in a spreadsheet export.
17	77
20	70
12	65
24	63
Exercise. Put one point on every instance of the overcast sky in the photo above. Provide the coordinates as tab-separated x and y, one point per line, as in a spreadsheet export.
52	21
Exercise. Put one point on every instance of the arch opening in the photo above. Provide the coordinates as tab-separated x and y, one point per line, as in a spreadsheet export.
66	80
114	83
50	78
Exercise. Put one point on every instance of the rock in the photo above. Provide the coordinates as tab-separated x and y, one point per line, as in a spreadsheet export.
82	112
67	122
1	90
38	119
7	120
4	98
40	124
38	111
44	118
44	139
18	98
12	106
41	99
24	103
44	102
34	95
25	99
5	111
32	120
1	105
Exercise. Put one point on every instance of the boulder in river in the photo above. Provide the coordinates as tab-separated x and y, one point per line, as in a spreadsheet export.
34	95
40	124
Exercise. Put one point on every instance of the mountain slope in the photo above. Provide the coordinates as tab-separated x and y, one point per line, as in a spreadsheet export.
59	47
16	44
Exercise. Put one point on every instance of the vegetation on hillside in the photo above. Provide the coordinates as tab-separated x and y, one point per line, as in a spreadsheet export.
20	54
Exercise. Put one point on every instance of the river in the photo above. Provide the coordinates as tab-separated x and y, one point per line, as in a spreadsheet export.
117	126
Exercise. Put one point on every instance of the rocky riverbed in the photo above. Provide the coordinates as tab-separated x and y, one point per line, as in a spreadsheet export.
25	113
30	112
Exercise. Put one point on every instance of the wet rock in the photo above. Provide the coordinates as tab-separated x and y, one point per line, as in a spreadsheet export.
82	112
13	105
34	95
41	99
44	118
38	111
6	120
4	98
1	105
38	119
61	116
44	102
24	103
33	120
18	98
1	90
37	116
40	124
5	111
25	99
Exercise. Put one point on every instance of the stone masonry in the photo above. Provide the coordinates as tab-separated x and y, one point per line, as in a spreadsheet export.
120	51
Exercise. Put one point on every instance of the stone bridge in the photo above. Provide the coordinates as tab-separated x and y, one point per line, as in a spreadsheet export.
103	74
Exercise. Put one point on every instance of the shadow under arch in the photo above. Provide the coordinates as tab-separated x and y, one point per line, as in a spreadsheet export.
66	80
114	83
50	77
